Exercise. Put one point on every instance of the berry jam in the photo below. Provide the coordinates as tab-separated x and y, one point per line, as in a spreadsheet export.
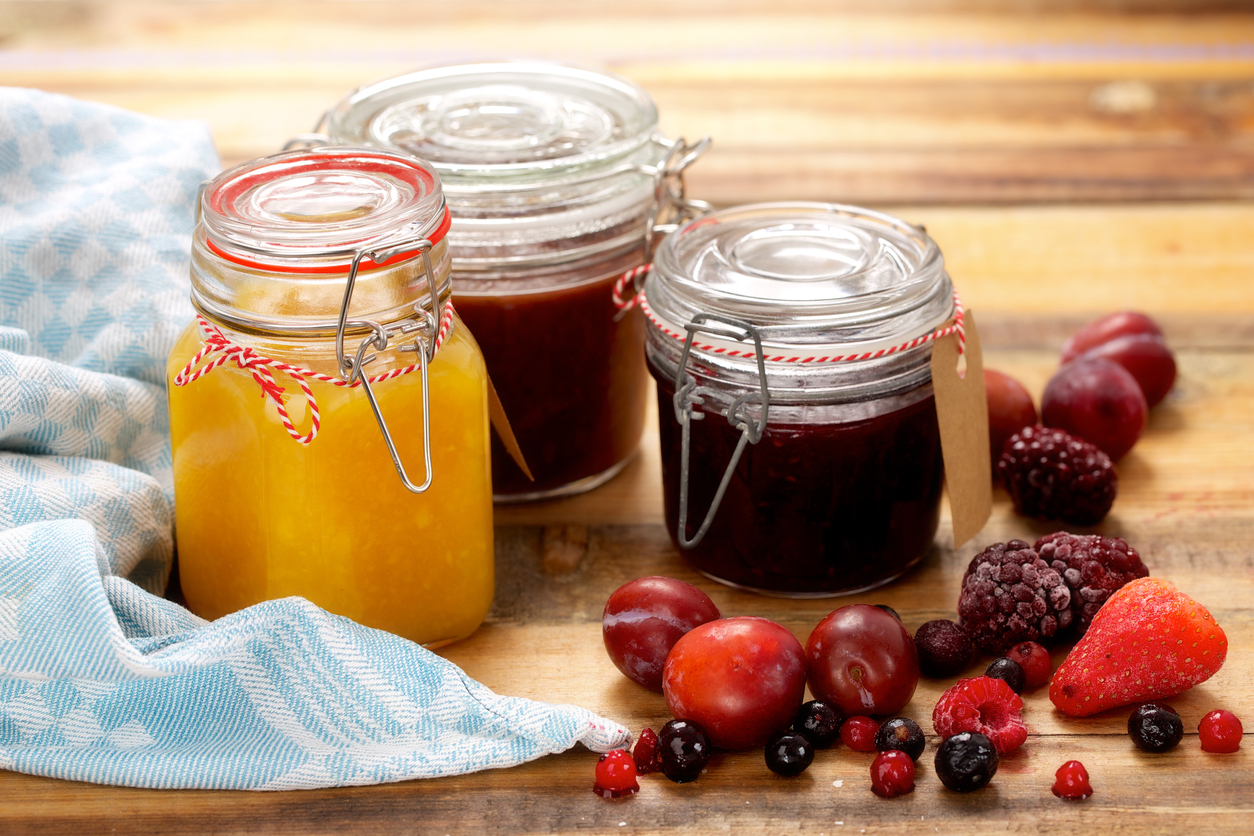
570	379
811	509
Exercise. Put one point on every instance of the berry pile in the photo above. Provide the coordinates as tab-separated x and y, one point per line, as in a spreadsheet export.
737	682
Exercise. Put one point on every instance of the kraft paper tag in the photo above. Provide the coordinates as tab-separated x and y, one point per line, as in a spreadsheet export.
500	423
962	412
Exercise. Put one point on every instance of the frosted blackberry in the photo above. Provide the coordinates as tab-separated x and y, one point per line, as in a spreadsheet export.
1010	595
1051	475
1093	567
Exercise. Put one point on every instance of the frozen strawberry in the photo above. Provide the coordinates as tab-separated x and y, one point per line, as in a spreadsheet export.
1148	641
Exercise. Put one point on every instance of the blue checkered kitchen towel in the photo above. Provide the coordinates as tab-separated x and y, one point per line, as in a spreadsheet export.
100	679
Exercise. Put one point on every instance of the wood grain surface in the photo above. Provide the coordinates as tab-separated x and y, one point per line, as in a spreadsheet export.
1071	158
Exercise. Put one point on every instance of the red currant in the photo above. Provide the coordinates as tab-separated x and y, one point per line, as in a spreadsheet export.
1220	732
616	775
892	774
1035	661
1071	781
645	754
858	733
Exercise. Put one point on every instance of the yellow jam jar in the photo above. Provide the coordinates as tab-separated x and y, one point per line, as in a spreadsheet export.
328	409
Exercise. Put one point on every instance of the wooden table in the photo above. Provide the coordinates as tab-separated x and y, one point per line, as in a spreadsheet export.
1094	157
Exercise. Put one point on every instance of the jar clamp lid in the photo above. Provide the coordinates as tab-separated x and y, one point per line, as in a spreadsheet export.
542	163
307	218
837	302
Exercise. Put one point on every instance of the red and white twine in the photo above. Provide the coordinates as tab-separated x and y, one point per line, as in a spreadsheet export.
262	368
957	327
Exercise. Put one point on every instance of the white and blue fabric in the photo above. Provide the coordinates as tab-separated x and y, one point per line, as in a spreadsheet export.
101	679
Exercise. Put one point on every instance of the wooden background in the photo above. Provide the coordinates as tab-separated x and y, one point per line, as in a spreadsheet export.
1071	158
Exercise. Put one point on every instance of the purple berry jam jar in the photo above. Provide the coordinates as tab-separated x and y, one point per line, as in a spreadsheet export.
787	468
558	183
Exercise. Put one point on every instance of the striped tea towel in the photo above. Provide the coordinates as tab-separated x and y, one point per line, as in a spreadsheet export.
100	679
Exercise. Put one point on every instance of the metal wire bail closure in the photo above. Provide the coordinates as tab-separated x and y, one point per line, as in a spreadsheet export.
669	192
424	345
688	394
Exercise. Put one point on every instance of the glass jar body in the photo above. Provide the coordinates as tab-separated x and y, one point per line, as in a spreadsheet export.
568	368
261	516
833	499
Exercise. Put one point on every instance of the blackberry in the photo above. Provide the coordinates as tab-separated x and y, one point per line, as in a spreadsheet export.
789	753
1155	727
1051	475
944	648
1010	595
902	734
1092	566
966	762
1008	671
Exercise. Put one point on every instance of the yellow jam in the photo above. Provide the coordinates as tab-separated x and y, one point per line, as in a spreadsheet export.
262	516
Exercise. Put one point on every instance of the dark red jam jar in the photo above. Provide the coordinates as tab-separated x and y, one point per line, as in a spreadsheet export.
558	183
800	449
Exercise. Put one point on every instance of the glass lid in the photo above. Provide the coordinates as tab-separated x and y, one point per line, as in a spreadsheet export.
320	204
502	120
808	274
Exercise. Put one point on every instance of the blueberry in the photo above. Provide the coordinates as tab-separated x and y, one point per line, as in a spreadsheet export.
789	753
683	749
900	733
966	761
820	722
1155	727
1008	671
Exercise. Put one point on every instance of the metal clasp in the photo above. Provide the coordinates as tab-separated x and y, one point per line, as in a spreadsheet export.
424	345
669	193
688	395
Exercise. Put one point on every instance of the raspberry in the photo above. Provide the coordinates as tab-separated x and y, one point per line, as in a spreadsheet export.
985	705
1051	475
1092	566
1220	731
1071	782
1010	595
944	649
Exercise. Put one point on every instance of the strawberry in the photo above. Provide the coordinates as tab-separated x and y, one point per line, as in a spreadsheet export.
1148	641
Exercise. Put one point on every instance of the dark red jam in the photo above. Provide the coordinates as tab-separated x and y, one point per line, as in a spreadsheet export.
571	379
811	509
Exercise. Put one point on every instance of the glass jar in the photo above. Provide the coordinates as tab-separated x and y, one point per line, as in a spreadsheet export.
328	410
558	183
800	448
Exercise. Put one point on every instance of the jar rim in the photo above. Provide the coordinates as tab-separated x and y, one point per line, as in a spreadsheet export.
317	210
594	119
818	281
